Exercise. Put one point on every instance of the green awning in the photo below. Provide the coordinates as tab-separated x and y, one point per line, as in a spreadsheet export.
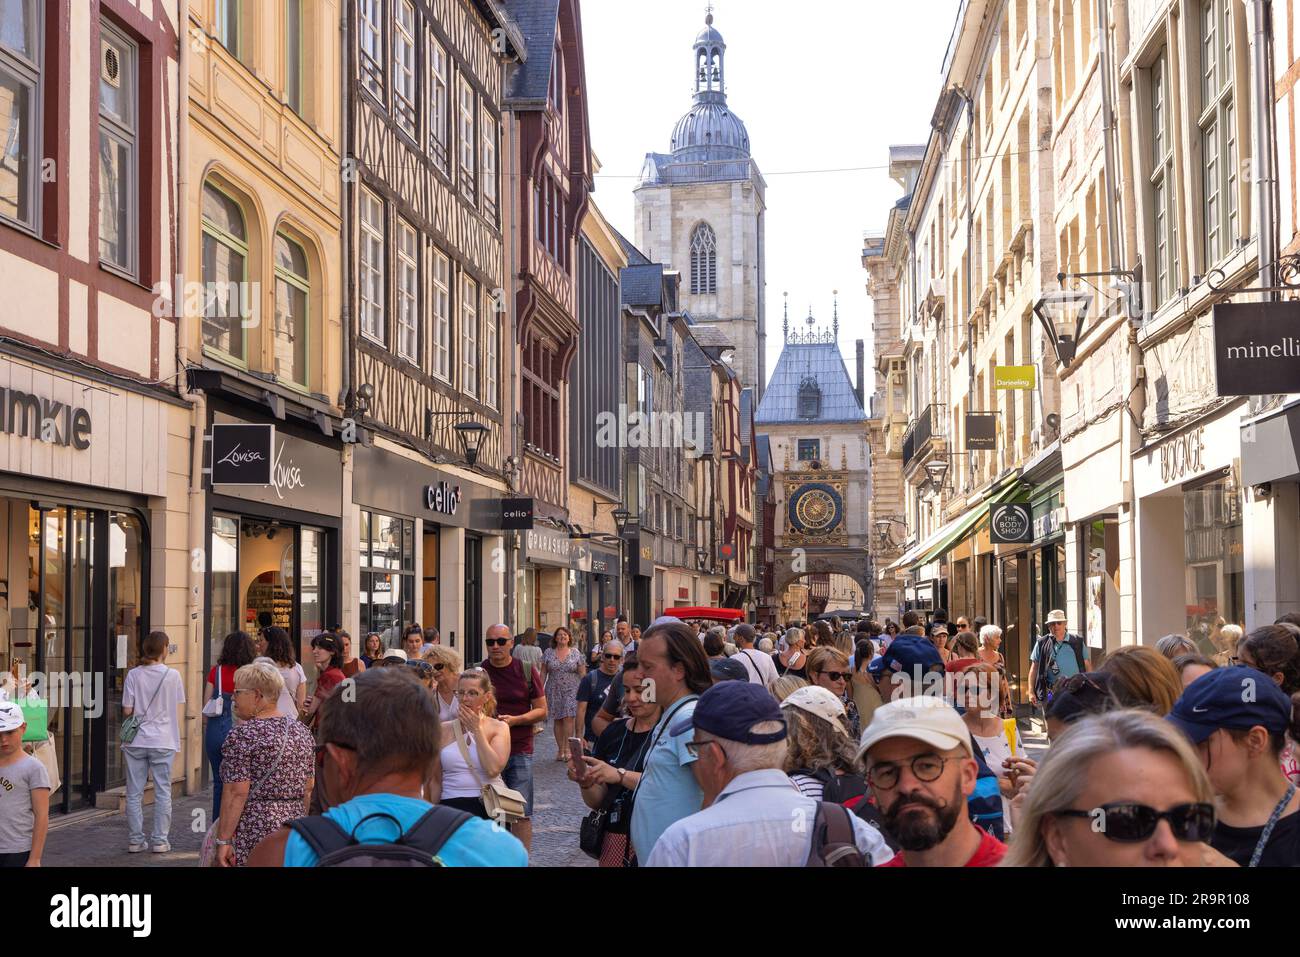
960	527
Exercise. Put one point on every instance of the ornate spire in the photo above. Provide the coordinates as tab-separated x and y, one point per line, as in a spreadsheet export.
835	323
785	325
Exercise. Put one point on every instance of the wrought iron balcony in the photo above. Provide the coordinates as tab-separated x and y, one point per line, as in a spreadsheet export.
926	427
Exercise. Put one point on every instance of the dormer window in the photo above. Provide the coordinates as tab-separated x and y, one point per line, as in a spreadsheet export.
810	399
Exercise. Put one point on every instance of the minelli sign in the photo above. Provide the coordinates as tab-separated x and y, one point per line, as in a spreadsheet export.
43	419
1257	348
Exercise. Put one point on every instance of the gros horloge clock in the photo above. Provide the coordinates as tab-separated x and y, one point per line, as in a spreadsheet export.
816	509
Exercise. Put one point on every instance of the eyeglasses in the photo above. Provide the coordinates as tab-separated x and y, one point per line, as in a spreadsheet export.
612	657
925	767
438	666
423	667
1130	823
837	675
693	747
320	749
496	641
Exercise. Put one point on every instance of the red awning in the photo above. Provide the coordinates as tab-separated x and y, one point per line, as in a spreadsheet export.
710	614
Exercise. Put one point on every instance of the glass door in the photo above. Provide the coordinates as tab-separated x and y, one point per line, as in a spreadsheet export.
311	585
126	562
473	636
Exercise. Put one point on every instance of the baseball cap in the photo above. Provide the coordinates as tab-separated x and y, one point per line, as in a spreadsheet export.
939	628
905	653
819	701
926	718
392	653
730	709
11	716
728	669
1238	697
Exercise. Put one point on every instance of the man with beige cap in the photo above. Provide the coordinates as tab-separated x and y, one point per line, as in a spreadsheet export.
921	769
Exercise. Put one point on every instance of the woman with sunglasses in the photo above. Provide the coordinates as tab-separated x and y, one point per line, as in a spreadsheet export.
1239	723
476	746
562	669
447	666
1121	789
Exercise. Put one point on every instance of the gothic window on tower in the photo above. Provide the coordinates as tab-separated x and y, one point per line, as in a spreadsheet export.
704	261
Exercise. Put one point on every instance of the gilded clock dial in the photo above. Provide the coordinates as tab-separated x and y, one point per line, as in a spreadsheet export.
816	509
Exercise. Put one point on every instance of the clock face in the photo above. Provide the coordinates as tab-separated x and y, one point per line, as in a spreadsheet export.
816	509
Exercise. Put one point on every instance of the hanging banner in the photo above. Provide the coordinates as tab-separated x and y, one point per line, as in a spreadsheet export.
1015	377
1011	523
981	431
1257	348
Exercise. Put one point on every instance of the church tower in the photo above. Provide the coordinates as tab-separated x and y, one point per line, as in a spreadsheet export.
700	208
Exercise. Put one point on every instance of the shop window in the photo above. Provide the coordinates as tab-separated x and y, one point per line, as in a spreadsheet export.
1213	556
387	561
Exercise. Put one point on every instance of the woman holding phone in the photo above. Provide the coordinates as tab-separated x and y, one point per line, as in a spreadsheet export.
477	746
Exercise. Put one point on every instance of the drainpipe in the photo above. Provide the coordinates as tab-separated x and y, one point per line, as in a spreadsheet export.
1266	180
345	218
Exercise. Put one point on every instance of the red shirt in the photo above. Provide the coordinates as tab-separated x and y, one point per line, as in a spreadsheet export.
227	677
514	698
957	664
327	680
988	854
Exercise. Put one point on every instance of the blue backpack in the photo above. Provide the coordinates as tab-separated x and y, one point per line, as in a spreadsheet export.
985	804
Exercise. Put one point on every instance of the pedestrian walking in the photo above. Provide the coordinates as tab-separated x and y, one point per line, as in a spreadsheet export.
828	667
1057	654
24	794
921	767
413	640
939	636
787	685
595	686
721	667
613	771
293	695
822	757
378	748
328	657
562	671
521	704
432	639
1191	667
1077	697
266	768
759	668
156	692
1171	646
905	667
1141	677
374	649
476	746
862	687
1239	725
352	665
965	651
1145	778
736	734
990	638
793	660
673	661
447	666
237	650
997	742
526	648
1272	649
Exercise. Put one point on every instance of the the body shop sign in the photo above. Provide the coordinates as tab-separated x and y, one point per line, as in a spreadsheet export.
1010	524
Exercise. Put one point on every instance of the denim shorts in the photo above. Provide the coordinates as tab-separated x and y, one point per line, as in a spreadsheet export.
518	774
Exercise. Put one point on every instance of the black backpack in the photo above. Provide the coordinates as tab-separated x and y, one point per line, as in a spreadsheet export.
417	847
844	789
833	841
1047	646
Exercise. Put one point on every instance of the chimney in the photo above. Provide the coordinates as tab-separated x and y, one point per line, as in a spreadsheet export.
861	369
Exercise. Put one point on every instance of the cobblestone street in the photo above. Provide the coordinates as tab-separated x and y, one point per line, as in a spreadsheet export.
97	838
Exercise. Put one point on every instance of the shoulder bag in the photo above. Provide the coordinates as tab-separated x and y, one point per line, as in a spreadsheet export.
215	705
208	850
131	725
503	805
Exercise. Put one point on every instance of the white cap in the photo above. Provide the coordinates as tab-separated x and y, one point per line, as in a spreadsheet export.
926	718
11	716
819	701
394	653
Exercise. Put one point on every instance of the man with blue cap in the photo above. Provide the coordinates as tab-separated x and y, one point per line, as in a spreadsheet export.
910	666
1238	718
754	815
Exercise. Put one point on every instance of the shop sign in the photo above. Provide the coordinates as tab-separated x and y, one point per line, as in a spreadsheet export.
603	563
1010	523
726	552
1015	377
547	547
243	455
517	513
1048	523
295	473
43	419
1257	348
1182	455
981	431
442	498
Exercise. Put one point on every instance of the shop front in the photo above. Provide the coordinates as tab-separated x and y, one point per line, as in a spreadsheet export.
595	594
274	558
83	486
1270	467
1190	543
430	550
640	552
546	562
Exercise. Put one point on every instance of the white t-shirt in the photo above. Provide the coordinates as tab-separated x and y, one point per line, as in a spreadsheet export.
997	749
159	727
293	677
760	667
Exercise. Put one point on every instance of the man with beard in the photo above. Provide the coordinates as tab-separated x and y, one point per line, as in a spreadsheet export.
921	769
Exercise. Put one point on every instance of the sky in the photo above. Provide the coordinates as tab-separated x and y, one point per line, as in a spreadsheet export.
831	90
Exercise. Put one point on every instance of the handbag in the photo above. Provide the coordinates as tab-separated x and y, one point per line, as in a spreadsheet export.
216	705
591	834
208	852
36	713
131	725
43	751
502	804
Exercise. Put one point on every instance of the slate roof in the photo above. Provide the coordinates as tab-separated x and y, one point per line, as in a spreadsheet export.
825	364
537	21
710	336
643	285
634	256
697	391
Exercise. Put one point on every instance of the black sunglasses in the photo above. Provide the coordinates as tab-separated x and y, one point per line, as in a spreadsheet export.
1130	823
612	657
837	675
496	641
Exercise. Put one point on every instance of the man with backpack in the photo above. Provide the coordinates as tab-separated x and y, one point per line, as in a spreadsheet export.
377	746
1057	654
521	704
753	815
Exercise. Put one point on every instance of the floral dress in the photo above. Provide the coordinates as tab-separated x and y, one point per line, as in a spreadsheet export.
276	790
562	683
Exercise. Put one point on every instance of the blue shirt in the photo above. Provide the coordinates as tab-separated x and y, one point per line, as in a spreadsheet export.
1066	663
476	843
668	791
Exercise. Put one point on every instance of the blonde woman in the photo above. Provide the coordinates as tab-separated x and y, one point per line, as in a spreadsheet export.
268	764
476	748
447	666
792	661
1226	641
1135	774
822	760
787	685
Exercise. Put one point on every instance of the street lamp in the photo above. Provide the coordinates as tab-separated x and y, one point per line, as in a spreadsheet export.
622	519
701	554
471	435
935	470
1062	314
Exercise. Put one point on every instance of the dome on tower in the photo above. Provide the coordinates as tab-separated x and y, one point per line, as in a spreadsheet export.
710	36
710	131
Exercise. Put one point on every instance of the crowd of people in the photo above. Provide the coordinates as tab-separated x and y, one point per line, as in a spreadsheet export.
826	744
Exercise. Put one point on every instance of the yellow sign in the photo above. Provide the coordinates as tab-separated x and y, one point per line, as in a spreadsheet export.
1015	377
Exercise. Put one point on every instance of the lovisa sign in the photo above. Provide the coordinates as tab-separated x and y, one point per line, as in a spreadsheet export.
275	466
242	454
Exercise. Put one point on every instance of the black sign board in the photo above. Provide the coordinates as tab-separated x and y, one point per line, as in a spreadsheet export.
242	454
1257	347
981	431
1011	523
517	513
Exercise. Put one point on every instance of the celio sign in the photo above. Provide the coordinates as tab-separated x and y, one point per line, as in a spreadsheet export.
442	498
1183	455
